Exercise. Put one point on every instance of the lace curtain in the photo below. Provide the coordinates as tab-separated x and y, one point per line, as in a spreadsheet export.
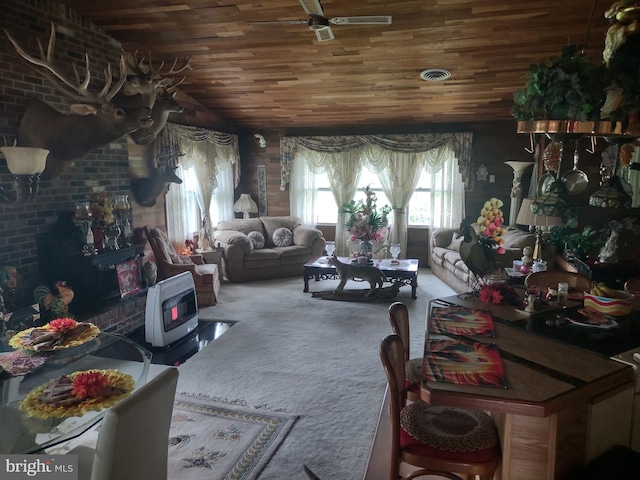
397	159
214	156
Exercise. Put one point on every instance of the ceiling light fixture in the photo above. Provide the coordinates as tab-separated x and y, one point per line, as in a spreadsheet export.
435	74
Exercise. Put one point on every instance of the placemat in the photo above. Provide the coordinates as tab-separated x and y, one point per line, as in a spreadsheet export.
461	321
464	363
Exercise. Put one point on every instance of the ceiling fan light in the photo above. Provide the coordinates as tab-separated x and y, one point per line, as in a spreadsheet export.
435	74
317	22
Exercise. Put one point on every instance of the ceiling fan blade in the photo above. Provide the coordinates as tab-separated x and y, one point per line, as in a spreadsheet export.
280	22
362	20
312	7
324	34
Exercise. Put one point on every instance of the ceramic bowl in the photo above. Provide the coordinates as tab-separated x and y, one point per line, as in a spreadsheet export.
610	306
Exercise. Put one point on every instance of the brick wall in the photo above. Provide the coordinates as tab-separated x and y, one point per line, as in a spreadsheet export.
105	169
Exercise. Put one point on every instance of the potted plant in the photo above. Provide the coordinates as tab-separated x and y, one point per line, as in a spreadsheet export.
565	87
582	244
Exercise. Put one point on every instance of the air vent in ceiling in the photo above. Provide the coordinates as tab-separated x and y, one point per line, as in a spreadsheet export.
435	74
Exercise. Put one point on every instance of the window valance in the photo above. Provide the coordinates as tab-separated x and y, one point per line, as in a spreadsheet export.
373	151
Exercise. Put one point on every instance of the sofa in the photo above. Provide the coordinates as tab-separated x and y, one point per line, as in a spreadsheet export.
446	264
170	263
266	247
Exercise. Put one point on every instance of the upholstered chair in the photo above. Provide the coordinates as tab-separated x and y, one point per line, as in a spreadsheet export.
205	275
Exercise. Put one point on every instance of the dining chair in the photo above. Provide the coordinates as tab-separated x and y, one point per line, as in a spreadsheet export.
632	285
551	278
399	319
133	441
452	442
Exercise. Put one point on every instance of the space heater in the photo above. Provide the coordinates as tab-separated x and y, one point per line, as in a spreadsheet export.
171	311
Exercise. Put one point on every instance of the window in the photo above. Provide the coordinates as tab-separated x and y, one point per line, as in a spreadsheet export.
326	208
419	206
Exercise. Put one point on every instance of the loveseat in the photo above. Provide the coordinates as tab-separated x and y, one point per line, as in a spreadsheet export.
266	247
446	264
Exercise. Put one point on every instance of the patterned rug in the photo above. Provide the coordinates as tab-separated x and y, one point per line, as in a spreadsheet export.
213	440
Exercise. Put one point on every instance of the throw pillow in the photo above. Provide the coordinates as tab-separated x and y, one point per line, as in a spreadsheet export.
257	239
455	242
282	237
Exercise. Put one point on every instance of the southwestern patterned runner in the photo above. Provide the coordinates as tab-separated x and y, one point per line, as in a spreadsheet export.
461	321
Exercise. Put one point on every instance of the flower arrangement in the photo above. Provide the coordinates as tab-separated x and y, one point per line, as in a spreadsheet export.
498	294
101	209
490	223
62	324
365	222
89	384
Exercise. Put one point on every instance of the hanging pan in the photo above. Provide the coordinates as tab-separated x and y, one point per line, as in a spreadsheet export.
575	180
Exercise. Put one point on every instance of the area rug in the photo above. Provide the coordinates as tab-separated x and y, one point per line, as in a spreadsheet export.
213	440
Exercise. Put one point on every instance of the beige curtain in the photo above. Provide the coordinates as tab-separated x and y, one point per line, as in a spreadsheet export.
205	151
397	159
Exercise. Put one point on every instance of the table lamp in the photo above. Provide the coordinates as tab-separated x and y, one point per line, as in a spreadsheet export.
539	222
246	205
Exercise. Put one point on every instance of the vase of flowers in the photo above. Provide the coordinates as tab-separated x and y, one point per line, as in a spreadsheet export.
365	222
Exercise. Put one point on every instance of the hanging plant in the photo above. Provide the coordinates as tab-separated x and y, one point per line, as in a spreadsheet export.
565	87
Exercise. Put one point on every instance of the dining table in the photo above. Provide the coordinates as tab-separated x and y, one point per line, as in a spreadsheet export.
549	382
23	373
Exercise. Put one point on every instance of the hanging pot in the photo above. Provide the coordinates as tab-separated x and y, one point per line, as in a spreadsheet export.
575	180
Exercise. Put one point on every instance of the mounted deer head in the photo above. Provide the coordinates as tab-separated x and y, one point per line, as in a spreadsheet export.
93	121
144	82
147	190
165	104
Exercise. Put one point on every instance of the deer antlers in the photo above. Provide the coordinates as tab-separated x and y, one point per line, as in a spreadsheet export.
77	90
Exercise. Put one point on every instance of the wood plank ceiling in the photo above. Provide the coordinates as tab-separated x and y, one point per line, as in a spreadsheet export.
281	76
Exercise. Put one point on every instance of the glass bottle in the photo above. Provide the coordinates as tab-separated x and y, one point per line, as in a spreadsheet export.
563	294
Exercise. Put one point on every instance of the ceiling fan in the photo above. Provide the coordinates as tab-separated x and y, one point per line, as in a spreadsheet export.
321	24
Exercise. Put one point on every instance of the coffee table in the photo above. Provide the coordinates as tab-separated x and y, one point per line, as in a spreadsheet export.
406	271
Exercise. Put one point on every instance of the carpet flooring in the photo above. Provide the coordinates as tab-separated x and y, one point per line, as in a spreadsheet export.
314	358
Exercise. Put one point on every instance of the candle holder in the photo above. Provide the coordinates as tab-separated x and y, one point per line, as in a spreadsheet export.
121	207
82	218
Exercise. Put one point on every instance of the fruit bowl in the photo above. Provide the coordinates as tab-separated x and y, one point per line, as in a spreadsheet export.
610	306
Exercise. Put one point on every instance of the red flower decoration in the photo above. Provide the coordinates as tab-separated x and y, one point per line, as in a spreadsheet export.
490	295
89	384
62	324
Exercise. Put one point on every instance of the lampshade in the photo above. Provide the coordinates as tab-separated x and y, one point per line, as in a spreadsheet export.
25	160
611	195
552	203
246	205
527	217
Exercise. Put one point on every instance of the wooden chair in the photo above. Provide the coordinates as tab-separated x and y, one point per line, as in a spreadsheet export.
419	433
399	318
632	285
134	436
551	278
205	275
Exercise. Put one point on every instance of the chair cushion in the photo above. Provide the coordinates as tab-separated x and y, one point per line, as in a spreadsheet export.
447	432
257	239
413	370
282	237
181	259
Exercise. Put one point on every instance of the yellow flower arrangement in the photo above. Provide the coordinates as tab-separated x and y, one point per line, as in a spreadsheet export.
34	407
